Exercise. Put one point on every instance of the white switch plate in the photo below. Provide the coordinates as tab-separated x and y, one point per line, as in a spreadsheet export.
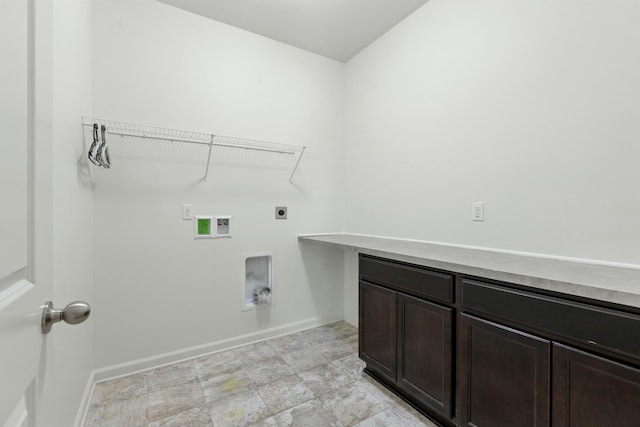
187	211
477	211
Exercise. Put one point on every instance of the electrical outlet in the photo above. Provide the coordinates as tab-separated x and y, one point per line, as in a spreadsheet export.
187	211
281	212
477	211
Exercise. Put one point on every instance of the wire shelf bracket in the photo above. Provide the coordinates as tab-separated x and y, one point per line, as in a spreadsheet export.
125	129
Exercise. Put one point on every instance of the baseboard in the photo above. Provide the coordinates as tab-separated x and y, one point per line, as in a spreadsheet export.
84	402
139	365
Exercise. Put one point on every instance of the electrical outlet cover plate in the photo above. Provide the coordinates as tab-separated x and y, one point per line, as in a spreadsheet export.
187	211
477	211
281	212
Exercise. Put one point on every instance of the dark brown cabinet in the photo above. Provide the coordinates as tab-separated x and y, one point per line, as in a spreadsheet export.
406	340
378	337
590	391
425	353
472	352
504	376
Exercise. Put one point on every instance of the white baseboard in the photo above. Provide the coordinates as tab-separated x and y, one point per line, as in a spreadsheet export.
84	403
139	365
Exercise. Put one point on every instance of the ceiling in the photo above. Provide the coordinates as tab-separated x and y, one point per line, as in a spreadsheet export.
337	29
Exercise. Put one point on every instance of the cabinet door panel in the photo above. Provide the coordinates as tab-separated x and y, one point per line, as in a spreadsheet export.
424	353
504	376
378	316
590	391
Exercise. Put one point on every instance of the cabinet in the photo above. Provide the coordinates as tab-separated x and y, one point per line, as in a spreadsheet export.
505	381
425	353
407	340
475	353
571	387
379	330
591	391
504	376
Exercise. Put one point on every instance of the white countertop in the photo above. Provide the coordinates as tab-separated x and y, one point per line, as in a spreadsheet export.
616	284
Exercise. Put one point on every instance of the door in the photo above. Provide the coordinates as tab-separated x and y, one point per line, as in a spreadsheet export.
504	376
23	286
425	353
590	391
378	321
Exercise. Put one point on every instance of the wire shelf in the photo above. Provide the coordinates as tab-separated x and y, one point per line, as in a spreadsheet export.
205	139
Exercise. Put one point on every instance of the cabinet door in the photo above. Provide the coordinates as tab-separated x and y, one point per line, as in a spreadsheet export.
589	391
504	376
378	317
424	353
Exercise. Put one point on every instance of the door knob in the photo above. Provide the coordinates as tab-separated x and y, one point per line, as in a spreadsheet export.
74	313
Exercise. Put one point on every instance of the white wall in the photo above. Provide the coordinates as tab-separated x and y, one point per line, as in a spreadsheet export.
350	283
158	290
70	348
529	106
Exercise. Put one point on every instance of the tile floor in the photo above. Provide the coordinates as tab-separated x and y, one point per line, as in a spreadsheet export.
310	378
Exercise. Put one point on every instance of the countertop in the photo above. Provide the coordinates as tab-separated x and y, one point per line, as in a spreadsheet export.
611	283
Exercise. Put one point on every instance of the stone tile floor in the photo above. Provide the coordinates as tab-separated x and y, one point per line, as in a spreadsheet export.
311	378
